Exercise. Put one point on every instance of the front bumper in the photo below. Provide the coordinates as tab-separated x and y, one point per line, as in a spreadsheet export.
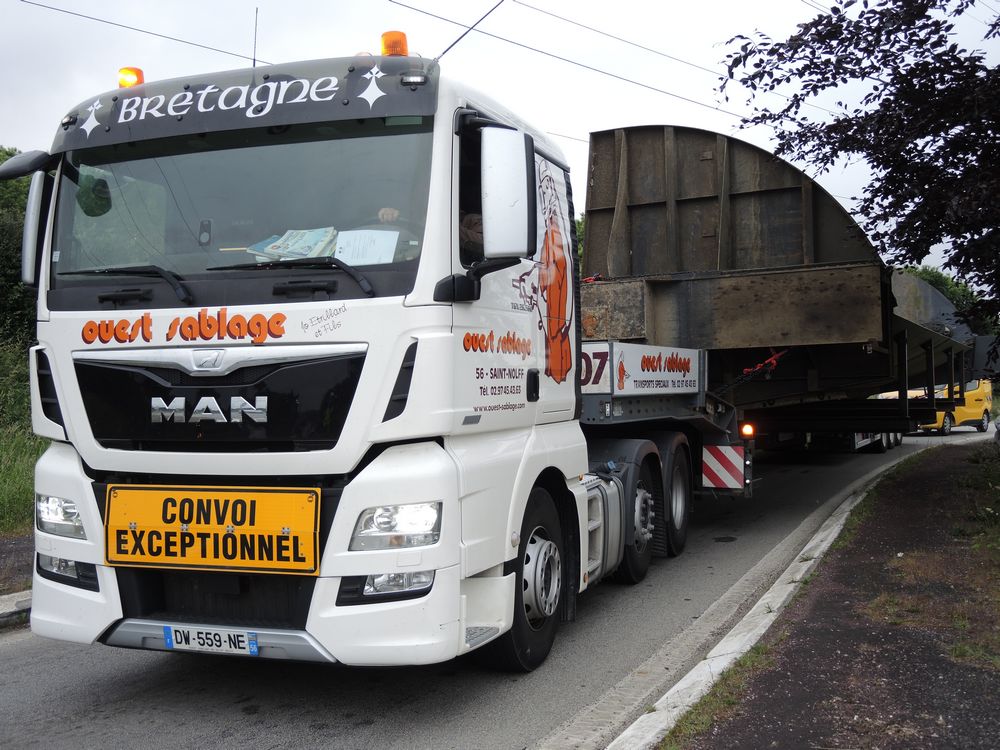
427	629
415	631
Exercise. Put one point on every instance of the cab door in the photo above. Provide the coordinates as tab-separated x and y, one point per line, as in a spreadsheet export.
518	364
498	360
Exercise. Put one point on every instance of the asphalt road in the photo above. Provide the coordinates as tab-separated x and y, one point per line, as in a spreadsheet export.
56	695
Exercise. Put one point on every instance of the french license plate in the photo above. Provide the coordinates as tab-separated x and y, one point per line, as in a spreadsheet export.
258	529
213	640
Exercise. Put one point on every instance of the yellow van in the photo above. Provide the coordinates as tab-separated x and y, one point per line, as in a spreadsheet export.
974	412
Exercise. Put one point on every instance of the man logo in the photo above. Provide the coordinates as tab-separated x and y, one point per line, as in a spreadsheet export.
207	410
207	359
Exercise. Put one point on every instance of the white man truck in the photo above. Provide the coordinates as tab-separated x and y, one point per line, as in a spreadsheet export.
309	356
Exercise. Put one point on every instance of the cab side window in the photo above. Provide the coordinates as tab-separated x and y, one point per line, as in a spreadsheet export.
470	202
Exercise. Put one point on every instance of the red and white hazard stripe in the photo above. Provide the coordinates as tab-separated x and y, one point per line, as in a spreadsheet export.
722	467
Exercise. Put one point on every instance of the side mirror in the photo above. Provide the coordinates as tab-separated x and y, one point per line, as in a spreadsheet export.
508	180
32	227
21	165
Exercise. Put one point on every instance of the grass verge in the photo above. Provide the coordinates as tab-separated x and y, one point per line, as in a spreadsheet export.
721	701
863	510
21	450
953	590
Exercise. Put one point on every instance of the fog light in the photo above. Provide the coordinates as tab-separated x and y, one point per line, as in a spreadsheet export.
57	515
394	526
71	572
58	565
395	583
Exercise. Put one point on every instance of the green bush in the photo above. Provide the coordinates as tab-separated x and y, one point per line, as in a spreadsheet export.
17	302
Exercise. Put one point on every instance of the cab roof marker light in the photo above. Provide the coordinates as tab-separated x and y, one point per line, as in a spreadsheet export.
413	79
747	431
129	76
394	44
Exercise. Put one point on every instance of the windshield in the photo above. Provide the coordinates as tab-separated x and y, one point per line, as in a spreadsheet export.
201	206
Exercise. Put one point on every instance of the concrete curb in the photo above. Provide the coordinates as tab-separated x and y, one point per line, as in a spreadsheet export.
647	731
14	607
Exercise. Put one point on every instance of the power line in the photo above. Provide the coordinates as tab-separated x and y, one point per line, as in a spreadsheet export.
618	38
658	52
573	62
568	137
143	31
815	6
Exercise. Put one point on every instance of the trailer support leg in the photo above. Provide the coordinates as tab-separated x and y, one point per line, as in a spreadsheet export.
903	371
929	377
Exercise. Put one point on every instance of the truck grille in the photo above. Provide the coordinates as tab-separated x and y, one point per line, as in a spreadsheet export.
307	404
245	600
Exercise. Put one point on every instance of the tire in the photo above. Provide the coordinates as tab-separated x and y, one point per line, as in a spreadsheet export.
984	423
946	424
677	491
883	443
538	590
648	496
897	438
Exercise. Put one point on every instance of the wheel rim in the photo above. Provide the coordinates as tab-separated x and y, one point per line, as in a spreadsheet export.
678	497
986	421
643	517
946	423
542	577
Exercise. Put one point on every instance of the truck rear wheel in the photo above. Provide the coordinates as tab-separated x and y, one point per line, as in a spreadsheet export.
677	470
538	590
648	496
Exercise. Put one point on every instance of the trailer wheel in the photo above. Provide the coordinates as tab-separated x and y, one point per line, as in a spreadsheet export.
946	423
984	423
648	496
678	470
537	590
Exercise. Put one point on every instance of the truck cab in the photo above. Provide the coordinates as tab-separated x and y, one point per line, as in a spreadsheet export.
306	354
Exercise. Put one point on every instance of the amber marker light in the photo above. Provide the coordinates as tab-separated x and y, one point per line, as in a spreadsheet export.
128	77
394	44
747	431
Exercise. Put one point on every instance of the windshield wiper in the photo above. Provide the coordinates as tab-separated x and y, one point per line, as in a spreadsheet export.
175	281
323	261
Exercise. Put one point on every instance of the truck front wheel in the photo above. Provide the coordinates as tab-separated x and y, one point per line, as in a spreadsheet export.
984	423
537	590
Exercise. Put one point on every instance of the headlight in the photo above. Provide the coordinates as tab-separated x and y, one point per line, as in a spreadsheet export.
57	515
394	526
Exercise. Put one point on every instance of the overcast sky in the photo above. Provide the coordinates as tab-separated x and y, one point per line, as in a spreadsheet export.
54	60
